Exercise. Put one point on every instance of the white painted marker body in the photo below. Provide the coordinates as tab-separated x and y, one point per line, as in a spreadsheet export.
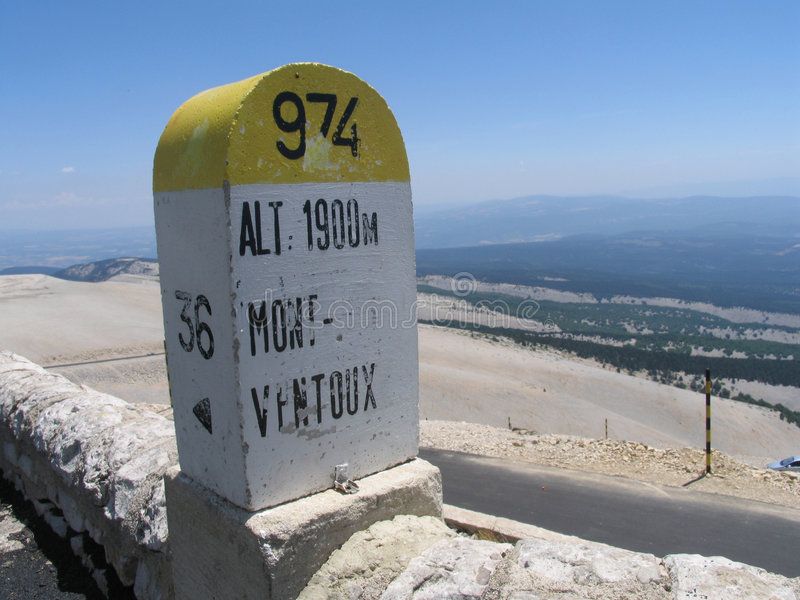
286	243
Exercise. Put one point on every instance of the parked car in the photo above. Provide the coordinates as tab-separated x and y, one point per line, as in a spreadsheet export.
787	464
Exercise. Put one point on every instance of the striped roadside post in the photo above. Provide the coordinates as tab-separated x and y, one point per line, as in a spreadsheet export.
708	420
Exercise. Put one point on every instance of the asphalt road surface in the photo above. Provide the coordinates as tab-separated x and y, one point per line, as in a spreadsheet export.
624	513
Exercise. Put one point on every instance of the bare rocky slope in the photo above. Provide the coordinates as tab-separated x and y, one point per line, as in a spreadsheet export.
103	270
479	380
109	336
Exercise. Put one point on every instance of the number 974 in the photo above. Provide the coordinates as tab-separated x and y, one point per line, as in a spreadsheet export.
299	123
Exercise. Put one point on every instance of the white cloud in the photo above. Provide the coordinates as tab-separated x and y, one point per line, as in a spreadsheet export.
67	169
71	200
60	200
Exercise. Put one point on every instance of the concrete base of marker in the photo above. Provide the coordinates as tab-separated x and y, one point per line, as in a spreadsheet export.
222	551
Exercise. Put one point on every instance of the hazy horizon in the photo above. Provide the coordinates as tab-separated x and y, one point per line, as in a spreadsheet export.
428	209
532	218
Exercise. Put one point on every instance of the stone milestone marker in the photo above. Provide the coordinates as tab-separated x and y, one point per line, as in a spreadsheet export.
286	249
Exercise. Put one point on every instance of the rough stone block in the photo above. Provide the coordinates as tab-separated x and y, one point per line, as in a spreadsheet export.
695	576
586	562
460	568
222	551
371	559
574	568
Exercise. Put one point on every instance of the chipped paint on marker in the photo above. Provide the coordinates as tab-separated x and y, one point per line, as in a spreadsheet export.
318	155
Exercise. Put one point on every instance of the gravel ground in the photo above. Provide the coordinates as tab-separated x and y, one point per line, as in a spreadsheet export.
34	562
633	460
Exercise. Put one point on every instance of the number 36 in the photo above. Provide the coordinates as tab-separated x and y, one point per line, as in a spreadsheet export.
196	327
298	124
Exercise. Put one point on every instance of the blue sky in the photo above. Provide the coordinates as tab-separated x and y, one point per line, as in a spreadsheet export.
495	100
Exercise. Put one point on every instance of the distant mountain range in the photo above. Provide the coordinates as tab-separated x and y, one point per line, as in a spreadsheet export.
547	218
528	219
761	272
101	270
727	251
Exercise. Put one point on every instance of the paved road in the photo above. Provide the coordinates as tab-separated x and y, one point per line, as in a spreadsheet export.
624	513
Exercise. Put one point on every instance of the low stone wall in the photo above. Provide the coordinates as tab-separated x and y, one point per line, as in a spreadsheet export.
413	558
94	466
98	460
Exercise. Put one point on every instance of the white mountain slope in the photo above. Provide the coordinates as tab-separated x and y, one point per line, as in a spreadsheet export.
463	378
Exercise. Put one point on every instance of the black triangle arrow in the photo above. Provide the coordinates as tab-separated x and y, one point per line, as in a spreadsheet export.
202	410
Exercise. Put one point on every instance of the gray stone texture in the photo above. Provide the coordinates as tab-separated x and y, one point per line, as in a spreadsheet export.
694	576
544	569
99	459
368	562
457	568
222	551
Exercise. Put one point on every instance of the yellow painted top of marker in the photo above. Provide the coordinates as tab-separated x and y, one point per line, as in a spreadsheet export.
300	123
